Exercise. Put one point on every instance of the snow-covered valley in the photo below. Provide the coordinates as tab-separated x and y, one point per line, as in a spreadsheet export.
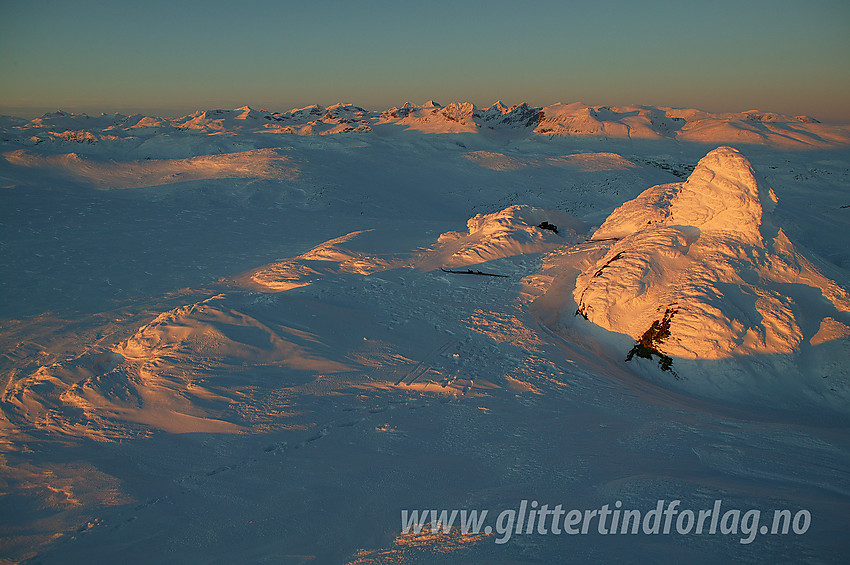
253	337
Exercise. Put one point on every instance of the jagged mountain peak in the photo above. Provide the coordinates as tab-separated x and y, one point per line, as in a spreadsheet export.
498	106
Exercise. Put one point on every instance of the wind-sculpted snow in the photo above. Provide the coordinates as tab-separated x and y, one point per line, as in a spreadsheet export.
173	374
332	256
706	252
513	231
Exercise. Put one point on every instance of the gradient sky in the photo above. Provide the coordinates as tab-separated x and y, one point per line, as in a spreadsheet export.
173	57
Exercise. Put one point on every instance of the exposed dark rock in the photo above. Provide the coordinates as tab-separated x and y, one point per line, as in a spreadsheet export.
647	345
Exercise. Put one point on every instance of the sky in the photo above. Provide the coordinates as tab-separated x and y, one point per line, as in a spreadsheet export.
173	57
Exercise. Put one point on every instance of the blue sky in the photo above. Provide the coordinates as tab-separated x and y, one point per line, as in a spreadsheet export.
172	57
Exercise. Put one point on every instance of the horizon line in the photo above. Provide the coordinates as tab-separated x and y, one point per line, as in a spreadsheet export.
181	110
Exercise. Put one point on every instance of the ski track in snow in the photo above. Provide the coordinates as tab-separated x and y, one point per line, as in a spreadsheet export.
250	353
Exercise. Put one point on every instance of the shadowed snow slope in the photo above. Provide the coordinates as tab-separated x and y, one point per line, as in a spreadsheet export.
705	256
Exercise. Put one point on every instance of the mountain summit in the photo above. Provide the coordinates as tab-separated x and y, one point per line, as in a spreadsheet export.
698	270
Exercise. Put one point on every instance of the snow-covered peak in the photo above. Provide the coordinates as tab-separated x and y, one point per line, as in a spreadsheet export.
721	194
312	109
495	111
459	111
704	262
248	113
433	118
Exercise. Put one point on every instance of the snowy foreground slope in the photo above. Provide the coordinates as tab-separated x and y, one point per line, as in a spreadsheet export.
252	337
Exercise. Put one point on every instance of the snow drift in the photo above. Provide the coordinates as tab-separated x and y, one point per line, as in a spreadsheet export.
513	231
333	256
184	371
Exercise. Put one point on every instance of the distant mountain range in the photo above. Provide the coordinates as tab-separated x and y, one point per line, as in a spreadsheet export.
576	119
